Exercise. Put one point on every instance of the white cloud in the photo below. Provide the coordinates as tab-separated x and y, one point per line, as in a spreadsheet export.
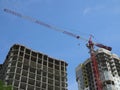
89	10
105	9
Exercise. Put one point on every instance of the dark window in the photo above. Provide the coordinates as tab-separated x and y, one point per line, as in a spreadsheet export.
12	69
22	48
11	75
30	87
13	63
17	76
31	81
24	73
24	79
25	67
16	83
45	57
32	70
38	83
27	51
40	56
23	86
32	75
19	64
39	77
18	70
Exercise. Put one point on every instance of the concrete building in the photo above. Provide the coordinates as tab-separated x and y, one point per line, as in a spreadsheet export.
109	71
25	69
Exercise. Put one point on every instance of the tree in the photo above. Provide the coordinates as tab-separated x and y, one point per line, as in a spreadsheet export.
5	87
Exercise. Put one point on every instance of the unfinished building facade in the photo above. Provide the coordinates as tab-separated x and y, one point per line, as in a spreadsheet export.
109	71
25	69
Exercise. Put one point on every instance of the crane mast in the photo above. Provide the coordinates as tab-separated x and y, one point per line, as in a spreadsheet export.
90	43
90	46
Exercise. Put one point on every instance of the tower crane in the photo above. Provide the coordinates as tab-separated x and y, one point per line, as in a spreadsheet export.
90	43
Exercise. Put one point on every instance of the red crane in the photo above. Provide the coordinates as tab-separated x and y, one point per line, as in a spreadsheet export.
90	43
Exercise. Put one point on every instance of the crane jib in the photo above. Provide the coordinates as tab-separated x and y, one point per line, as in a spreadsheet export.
41	23
12	12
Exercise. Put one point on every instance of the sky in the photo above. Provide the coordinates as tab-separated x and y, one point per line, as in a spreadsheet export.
100	18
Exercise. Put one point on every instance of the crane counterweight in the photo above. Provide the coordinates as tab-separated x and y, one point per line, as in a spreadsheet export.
103	46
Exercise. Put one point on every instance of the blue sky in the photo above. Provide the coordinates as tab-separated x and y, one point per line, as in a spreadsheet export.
100	18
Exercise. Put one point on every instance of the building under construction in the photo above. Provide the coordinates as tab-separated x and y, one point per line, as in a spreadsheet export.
109	71
100	71
25	69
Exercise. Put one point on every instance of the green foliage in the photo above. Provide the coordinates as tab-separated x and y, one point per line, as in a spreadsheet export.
5	87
